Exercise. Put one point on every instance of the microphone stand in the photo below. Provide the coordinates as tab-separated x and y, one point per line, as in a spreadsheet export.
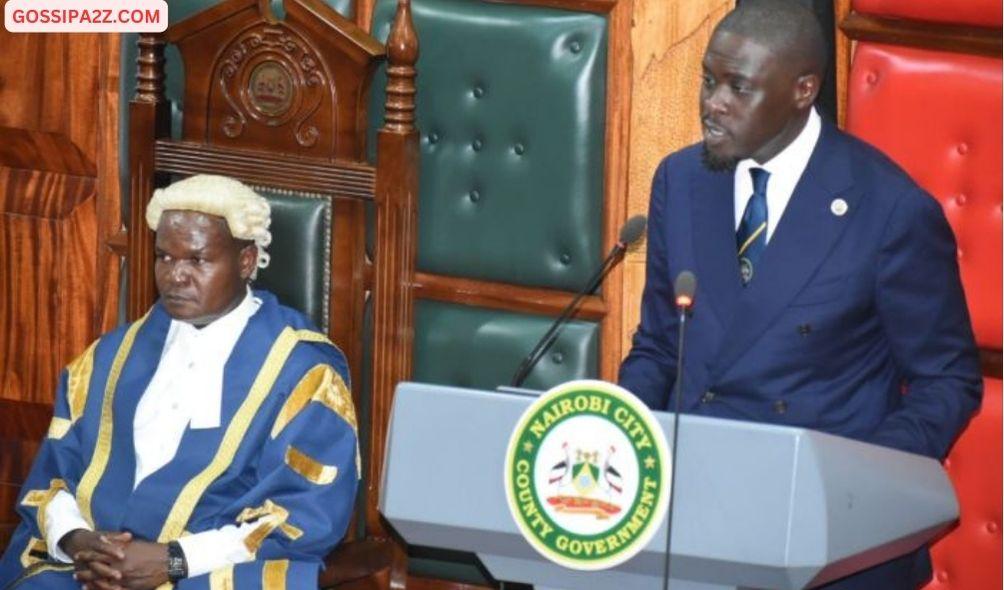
552	333
684	312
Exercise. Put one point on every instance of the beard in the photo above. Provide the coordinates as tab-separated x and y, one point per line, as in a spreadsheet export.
717	163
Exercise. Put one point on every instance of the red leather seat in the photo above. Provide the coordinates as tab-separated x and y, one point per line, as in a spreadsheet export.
938	115
970	556
985	13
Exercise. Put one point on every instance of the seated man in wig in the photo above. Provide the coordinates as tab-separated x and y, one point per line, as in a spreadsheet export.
212	443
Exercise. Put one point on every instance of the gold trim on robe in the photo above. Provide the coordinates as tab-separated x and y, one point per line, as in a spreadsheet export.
103	446
309	468
323	385
58	428
273	574
185	504
272	516
35	545
78	383
222	579
39	499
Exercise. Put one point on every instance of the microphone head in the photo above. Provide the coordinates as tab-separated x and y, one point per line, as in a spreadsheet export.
632	230
685	286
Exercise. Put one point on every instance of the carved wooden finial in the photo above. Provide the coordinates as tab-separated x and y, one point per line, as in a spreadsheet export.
402	54
150	69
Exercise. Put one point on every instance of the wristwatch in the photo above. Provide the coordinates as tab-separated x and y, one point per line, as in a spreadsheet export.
177	565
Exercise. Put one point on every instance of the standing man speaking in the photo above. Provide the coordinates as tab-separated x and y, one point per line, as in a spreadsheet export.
829	293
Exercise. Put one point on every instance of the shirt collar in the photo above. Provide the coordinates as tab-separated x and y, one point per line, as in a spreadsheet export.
234	320
792	160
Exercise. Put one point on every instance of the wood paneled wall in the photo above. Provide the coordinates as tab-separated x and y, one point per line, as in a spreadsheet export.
59	203
668	41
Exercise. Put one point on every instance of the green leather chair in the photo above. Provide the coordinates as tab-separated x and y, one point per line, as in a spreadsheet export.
511	107
511	110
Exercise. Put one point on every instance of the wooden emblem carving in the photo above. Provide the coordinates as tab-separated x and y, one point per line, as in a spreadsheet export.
269	74
270	89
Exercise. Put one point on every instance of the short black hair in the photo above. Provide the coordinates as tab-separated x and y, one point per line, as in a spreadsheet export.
783	25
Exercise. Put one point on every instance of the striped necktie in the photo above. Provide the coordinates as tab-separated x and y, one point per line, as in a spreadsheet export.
751	238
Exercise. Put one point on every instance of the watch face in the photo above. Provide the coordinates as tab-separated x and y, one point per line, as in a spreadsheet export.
177	568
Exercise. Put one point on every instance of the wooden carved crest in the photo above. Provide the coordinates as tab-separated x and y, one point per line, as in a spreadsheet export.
255	81
270	74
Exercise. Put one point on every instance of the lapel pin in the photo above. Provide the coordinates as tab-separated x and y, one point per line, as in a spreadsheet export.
838	207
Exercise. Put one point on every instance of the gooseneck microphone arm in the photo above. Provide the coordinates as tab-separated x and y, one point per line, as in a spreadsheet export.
551	335
685	287
631	232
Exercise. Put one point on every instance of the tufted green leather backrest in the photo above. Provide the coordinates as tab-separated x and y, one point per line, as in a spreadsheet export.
511	113
299	272
511	110
480	348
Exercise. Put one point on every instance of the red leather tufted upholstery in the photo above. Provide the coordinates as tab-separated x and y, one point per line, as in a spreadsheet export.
986	13
969	558
939	116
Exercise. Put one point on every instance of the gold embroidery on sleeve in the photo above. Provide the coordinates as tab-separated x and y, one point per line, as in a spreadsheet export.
183	507
273	574
78	383
311	469
323	385
103	446
222	579
34	552
58	427
271	516
39	499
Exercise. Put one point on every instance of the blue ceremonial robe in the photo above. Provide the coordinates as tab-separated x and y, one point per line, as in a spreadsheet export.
284	456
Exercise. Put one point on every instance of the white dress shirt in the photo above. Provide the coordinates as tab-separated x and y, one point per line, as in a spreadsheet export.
185	392
785	169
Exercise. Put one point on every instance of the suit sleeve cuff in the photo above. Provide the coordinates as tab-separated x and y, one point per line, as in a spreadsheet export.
61	517
216	548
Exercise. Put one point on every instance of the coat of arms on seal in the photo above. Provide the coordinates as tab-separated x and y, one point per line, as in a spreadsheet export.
587	475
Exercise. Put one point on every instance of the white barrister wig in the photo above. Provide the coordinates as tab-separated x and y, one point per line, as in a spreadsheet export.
247	213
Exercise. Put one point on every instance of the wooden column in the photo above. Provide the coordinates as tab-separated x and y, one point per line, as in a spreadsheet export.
842	58
149	119
396	198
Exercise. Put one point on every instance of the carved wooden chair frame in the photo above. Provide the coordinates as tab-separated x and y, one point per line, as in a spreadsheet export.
312	142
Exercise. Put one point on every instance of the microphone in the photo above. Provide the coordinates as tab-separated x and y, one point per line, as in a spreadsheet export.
685	286
631	232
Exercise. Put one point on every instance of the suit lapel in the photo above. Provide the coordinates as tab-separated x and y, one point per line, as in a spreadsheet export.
715	242
802	240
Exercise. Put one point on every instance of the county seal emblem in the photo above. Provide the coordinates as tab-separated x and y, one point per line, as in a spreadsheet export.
587	475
